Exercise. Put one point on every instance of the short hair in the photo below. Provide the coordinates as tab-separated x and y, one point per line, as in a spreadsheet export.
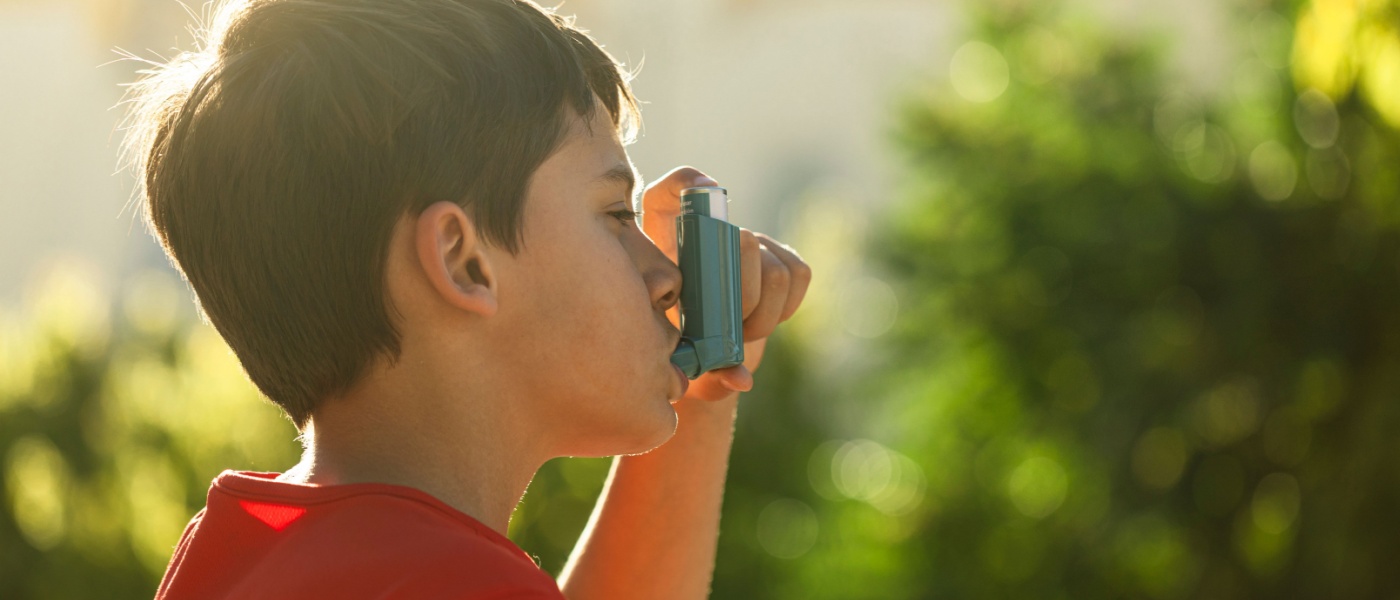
276	159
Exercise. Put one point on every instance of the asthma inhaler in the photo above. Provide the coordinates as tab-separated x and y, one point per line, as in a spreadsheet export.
712	319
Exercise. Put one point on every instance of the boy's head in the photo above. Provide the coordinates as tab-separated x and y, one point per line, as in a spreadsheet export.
283	160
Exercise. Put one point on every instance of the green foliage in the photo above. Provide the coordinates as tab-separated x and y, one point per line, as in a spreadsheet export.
1146	343
550	517
1141	348
1347	48
110	433
1145	348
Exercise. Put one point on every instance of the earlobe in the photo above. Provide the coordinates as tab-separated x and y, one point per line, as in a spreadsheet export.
453	259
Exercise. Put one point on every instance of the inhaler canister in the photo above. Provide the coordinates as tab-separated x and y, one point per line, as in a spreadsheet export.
712	320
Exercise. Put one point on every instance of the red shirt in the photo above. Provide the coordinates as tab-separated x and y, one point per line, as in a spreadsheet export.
266	539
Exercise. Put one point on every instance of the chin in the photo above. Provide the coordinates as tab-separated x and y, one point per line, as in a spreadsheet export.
659	436
634	436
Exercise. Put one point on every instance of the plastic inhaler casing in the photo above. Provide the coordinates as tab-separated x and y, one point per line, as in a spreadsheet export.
712	319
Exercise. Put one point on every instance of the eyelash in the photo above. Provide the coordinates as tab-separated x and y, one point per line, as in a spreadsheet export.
625	216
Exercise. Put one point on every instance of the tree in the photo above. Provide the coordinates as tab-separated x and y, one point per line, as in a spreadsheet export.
1148	344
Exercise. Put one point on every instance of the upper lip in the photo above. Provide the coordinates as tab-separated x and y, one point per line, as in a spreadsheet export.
673	334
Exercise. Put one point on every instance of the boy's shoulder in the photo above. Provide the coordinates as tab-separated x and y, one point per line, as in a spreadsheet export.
261	538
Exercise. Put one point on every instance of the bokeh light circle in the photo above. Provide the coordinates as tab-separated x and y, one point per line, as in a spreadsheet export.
979	72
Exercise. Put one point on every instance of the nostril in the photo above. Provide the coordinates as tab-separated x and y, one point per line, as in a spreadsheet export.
670	298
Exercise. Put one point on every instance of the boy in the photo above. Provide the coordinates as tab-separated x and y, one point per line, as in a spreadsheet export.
412	221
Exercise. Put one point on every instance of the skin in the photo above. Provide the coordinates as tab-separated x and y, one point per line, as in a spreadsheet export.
560	350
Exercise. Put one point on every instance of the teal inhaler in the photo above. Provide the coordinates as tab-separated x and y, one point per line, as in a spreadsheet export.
712	319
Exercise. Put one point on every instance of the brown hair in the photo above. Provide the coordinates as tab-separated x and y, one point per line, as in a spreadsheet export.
276	160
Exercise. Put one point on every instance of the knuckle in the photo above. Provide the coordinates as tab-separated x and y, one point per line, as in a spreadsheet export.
756	328
769	241
747	241
801	272
750	295
778	276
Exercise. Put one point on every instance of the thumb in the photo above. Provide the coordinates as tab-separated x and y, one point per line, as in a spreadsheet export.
736	378
720	384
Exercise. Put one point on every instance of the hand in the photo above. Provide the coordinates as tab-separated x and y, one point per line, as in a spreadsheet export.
774	280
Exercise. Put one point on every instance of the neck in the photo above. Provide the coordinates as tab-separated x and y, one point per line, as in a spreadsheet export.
479	465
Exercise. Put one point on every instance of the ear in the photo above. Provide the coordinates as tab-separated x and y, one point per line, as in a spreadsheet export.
454	259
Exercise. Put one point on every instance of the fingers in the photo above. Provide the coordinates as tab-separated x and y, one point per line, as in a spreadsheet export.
750	271
721	383
775	280
800	274
736	378
661	204
664	194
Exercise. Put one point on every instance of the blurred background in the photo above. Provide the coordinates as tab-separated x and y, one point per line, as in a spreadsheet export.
1104	299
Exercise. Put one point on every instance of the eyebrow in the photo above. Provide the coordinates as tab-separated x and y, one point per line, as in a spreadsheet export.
623	175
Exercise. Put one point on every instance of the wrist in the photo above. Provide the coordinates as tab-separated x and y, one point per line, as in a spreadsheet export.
708	420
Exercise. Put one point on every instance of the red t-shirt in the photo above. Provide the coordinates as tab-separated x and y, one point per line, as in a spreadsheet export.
266	539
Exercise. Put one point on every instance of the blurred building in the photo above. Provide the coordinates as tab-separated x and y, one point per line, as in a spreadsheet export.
59	137
784	102
772	98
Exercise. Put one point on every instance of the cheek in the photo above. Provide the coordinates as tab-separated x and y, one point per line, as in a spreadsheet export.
613	297
593	296
591	322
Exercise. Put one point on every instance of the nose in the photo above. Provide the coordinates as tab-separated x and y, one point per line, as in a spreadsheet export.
662	277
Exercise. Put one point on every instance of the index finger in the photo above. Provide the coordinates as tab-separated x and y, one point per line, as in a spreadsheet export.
661	204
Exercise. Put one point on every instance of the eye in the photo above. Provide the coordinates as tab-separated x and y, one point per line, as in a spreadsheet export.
625	216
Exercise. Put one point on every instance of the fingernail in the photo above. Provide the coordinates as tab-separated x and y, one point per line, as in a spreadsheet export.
736	383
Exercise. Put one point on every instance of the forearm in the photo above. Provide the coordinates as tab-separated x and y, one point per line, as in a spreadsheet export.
655	528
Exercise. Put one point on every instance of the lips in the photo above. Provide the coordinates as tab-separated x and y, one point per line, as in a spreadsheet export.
685	381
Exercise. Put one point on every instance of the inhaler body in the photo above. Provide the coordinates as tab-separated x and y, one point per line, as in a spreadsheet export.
712	323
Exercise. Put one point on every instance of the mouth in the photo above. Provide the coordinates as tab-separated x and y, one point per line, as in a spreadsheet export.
673	338
685	381
673	335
